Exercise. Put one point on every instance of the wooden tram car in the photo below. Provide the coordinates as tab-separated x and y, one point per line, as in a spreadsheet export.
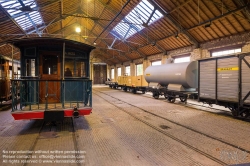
8	69
54	79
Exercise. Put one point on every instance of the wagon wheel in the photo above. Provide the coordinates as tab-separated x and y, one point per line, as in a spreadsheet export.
156	95
183	99
125	89
143	92
166	96
171	99
134	91
245	113
234	111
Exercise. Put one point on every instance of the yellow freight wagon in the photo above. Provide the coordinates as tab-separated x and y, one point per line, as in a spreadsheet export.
131	83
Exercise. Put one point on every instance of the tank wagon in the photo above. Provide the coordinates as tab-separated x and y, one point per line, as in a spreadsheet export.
173	80
8	69
54	80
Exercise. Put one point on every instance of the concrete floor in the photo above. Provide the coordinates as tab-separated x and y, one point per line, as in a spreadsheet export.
129	129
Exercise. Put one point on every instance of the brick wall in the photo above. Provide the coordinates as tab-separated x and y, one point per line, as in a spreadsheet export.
246	48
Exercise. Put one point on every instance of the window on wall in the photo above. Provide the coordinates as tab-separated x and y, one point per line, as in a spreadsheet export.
139	69
225	52
127	70
182	59
119	71
112	73
155	63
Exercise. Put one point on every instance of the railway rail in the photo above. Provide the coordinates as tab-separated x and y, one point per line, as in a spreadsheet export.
159	129
48	131
194	105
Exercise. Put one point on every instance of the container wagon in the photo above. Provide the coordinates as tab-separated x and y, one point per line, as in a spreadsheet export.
226	81
130	83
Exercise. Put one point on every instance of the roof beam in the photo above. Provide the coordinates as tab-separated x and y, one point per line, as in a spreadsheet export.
64	28
105	28
247	10
172	20
97	23
28	16
142	55
61	5
218	17
5	19
13	20
84	38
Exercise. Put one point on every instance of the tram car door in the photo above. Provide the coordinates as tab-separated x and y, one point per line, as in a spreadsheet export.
49	71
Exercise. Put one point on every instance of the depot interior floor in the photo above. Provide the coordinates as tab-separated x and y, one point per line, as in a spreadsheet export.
134	129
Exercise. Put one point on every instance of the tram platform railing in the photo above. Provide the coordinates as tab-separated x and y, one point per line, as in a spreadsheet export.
36	94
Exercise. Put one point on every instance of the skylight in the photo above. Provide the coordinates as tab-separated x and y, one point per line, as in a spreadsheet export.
21	11
139	16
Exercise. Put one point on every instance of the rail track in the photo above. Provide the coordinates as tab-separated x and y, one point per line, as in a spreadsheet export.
159	129
226	113
219	112
47	131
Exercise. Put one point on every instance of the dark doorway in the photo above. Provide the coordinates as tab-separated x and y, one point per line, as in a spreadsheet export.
100	73
50	71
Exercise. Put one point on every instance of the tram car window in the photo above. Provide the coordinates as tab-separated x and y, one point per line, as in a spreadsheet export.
30	67
55	79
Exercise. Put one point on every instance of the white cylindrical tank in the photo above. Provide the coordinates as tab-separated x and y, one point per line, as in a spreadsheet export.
185	74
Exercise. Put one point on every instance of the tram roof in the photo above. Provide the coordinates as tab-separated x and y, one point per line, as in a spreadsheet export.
27	42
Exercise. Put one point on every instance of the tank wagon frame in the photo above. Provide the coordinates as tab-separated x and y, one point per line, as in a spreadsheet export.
171	95
225	81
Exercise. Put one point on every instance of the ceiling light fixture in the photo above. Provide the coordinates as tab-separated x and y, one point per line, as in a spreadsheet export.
177	35
78	29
